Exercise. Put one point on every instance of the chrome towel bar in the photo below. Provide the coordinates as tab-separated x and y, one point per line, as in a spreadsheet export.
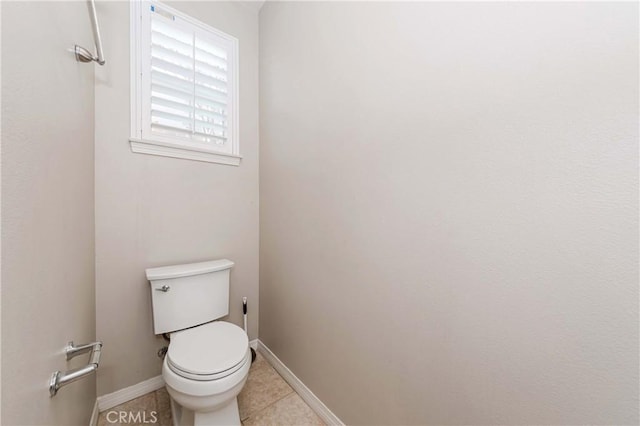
82	54
59	379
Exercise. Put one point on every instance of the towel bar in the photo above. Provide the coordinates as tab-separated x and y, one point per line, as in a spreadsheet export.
82	54
59	379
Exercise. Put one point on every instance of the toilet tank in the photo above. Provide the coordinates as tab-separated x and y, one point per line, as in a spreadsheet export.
184	296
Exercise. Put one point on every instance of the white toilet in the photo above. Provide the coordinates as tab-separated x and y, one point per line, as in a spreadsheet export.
208	361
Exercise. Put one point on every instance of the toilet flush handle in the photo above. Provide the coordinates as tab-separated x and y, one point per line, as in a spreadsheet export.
164	288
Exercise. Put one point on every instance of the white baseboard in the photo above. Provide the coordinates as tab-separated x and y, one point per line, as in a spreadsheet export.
94	414
253	344
305	393
111	400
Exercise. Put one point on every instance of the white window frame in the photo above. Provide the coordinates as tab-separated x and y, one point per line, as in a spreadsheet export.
165	146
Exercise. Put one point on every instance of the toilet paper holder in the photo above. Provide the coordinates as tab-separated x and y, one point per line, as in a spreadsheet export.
59	379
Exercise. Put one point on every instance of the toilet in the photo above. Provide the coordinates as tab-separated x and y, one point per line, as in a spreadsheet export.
208	360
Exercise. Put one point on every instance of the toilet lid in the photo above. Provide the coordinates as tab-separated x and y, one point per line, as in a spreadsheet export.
208	350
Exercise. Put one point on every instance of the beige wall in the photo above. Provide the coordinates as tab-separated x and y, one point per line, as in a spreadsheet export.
47	210
449	209
153	211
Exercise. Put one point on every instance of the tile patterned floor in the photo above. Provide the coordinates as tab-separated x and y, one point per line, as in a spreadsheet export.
266	399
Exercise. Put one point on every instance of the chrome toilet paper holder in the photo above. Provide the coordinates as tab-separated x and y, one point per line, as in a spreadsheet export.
59	379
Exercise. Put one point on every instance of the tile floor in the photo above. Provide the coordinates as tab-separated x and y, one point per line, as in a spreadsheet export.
266	399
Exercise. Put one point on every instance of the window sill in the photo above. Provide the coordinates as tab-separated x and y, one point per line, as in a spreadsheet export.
167	149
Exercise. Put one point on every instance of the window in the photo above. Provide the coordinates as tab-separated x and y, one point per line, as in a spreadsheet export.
184	86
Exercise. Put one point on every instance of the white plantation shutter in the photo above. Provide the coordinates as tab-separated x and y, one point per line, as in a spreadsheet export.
188	82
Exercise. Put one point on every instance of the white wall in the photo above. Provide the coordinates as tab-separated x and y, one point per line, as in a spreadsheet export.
47	210
449	209
153	211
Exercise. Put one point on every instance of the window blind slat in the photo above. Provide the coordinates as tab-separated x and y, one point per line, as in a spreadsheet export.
210	93
184	119
215	129
173	131
168	42
171	93
167	103
172	81
170	113
210	71
208	120
211	105
171	68
167	126
171	56
161	25
210	50
184	122
208	58
214	83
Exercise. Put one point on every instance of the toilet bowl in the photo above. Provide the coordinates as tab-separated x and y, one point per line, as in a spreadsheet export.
208	360
204	371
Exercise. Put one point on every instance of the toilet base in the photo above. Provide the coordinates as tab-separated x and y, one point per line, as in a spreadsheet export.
226	415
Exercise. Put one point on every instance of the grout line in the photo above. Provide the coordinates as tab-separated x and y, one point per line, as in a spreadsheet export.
155	396
326	416
277	400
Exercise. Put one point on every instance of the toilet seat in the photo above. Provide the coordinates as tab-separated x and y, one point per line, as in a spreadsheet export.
208	352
